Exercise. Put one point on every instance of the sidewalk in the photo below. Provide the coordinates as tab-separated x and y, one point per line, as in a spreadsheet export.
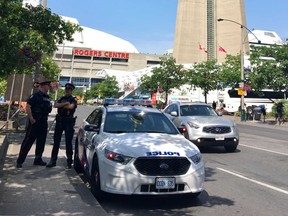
36	190
269	123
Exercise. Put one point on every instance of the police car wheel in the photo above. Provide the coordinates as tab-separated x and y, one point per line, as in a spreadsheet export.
95	181
77	164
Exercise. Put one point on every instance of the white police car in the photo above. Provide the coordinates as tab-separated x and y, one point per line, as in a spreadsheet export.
136	150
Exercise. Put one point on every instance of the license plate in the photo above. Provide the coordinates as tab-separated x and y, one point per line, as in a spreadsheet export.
219	137
165	183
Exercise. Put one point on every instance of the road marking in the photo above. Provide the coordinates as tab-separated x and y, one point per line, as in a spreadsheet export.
254	181
281	153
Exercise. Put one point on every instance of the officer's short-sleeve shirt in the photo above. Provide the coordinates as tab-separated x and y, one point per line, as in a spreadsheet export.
40	103
67	112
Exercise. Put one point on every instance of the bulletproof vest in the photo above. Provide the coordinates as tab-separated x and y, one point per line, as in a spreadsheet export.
40	104
67	112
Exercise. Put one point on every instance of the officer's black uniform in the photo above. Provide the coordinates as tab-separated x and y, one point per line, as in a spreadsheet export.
64	122
40	107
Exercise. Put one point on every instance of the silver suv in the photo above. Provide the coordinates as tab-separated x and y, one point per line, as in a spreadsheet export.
200	124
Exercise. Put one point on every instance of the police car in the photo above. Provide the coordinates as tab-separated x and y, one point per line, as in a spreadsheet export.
136	150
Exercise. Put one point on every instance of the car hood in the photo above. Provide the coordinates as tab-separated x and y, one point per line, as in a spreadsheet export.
150	144
208	120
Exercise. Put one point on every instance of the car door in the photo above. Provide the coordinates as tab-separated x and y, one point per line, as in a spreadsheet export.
95	120
175	118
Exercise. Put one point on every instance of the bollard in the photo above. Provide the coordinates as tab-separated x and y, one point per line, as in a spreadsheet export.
243	115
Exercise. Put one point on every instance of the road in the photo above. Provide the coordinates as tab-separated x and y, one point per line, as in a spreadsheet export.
252	181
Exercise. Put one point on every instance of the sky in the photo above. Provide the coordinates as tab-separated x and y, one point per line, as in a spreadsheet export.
150	24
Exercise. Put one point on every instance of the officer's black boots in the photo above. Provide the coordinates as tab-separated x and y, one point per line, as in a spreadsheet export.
39	163
18	165
51	164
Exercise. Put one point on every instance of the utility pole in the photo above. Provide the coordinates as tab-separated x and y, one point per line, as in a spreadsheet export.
243	114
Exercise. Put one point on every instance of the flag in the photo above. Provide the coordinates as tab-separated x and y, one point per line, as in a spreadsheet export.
221	49
202	48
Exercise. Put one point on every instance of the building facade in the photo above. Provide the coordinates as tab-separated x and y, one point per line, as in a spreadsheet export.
199	35
83	60
84	66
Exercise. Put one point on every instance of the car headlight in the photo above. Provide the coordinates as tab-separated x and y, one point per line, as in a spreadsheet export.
117	157
196	158
193	125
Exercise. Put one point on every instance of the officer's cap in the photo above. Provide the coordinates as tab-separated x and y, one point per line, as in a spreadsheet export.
43	81
70	85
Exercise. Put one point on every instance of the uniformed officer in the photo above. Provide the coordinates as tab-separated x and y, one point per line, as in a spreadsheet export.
65	121
38	108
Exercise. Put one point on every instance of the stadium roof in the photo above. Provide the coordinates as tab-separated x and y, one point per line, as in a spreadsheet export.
98	40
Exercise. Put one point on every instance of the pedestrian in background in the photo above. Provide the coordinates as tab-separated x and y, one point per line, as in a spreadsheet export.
263	110
214	105
279	112
65	121
38	108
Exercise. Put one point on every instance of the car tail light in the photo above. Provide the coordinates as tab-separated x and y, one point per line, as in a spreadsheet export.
183	129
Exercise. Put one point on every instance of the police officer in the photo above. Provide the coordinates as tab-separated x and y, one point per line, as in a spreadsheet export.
38	108
64	122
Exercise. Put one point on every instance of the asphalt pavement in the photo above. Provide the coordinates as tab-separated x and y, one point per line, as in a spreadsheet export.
37	190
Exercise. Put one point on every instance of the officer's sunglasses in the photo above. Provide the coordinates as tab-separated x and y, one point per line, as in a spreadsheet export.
69	88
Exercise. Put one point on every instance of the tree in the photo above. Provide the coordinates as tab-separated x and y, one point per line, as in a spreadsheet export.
3	85
269	67
106	89
147	84
50	69
230	74
27	34
167	76
204	75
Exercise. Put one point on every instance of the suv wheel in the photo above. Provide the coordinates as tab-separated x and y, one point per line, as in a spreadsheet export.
230	148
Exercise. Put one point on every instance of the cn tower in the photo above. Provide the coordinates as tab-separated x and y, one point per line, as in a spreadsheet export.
198	35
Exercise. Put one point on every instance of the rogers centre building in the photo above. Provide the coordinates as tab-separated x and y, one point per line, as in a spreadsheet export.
93	55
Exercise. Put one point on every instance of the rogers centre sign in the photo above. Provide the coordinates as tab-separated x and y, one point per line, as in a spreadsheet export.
98	53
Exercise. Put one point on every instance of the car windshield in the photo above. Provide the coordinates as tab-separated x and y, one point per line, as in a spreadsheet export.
142	122
197	110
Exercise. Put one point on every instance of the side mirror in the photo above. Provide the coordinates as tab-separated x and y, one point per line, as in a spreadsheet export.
173	113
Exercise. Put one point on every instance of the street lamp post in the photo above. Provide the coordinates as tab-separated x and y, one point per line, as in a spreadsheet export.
243	115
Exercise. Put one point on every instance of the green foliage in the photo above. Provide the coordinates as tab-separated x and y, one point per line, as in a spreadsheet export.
269	67
50	69
27	34
109	87
205	75
106	89
230	74
3	85
167	76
